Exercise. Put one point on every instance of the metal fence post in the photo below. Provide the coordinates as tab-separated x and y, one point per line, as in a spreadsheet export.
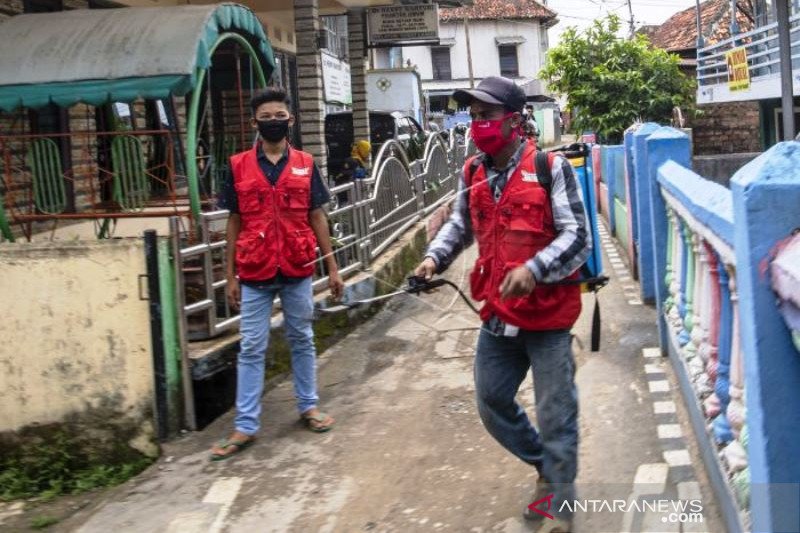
361	219
419	190
156	332
208	276
180	297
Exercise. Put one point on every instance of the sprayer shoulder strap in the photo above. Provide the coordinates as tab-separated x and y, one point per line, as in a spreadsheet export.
544	164
472	166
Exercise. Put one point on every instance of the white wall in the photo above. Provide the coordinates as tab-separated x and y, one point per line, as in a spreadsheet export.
485	57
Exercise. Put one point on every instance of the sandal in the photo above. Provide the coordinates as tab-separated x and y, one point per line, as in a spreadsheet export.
240	445
320	418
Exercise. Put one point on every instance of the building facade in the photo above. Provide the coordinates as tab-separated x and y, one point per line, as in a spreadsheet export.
489	38
753	44
720	127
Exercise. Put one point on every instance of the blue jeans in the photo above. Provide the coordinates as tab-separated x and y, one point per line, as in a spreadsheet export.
501	364
298	311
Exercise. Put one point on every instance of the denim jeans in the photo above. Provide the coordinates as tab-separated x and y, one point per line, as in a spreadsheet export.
501	364
298	310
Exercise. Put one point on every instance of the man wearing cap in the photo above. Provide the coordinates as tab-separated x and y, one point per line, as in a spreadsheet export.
529	238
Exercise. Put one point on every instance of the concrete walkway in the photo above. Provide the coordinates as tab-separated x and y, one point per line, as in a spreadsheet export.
409	452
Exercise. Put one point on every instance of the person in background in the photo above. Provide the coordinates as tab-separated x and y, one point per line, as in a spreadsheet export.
530	127
275	196
360	156
353	168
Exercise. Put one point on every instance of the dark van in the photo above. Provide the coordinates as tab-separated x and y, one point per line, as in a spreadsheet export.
383	125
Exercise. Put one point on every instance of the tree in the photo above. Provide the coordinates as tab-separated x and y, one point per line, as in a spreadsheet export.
611	82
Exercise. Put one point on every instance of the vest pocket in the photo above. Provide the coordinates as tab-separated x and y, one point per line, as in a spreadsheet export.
479	279
301	247
297	199
248	252
525	218
249	201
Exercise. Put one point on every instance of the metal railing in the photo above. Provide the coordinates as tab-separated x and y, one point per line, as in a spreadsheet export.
200	278
366	217
763	54
107	175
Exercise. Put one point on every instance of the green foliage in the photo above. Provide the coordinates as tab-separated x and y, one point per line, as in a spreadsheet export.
57	467
611	82
42	522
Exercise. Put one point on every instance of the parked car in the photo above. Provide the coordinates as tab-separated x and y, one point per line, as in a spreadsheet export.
383	125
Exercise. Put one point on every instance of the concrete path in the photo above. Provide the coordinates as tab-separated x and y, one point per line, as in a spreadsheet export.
409	452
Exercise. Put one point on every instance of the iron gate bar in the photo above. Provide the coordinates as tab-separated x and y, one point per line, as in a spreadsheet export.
190	417
156	332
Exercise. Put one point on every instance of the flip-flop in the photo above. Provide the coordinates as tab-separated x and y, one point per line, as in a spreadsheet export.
225	444
320	418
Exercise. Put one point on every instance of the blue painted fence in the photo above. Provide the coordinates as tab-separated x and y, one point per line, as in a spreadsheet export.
702	252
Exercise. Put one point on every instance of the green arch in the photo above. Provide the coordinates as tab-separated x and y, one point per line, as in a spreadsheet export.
194	108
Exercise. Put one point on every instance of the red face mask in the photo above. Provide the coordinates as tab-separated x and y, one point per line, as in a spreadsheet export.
488	135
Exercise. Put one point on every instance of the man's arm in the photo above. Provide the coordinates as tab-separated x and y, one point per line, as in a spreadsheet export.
456	234
227	199
318	220
573	242
232	229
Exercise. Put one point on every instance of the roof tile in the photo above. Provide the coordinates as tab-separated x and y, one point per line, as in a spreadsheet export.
499	9
679	32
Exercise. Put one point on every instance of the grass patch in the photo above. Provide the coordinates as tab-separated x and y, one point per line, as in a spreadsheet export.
59	466
41	522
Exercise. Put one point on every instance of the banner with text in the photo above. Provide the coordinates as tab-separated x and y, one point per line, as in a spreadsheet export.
738	71
400	24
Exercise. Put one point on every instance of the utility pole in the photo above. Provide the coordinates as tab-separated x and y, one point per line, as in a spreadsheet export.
469	54
700	42
787	89
630	10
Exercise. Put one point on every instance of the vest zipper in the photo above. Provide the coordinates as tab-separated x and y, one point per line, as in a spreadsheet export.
275	222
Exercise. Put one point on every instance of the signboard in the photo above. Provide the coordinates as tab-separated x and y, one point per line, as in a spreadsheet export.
336	79
738	72
396	25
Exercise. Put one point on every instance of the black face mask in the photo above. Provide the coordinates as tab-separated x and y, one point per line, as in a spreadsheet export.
273	130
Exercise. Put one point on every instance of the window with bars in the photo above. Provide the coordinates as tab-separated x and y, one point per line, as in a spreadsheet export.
440	59
333	35
509	64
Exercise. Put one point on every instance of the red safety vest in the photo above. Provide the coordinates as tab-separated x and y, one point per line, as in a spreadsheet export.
509	232
275	233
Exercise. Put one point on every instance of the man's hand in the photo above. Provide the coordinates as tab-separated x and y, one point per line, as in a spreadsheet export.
518	282
426	269
336	285
233	292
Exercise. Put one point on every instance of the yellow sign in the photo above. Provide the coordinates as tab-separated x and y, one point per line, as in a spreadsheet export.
738	72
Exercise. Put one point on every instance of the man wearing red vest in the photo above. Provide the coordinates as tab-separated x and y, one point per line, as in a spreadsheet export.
529	237
275	195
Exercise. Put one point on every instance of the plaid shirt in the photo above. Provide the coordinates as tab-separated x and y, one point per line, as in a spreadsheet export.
563	256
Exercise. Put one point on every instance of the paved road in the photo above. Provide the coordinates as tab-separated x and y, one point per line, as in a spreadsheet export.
409	452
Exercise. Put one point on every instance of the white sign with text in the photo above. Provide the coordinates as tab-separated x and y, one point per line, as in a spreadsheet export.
390	24
336	78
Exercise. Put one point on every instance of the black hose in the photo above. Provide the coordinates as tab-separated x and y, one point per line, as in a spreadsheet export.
418	284
463	296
